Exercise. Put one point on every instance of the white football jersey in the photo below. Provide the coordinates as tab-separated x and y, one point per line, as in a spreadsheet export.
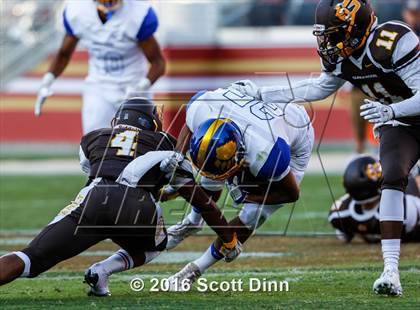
114	55
262	124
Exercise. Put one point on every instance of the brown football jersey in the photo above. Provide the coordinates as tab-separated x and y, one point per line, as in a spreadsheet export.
375	69
110	150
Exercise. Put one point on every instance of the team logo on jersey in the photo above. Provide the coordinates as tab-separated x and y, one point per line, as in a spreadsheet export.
374	171
346	11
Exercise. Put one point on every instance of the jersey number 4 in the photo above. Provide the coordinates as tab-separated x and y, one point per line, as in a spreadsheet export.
126	142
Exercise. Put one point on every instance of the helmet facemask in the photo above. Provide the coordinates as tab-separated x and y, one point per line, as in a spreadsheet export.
335	43
342	28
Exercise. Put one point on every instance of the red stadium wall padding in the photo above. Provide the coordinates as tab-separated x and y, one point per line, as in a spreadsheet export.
18	126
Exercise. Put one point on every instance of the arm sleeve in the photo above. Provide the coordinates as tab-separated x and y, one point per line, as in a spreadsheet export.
149	26
68	28
407	63
307	90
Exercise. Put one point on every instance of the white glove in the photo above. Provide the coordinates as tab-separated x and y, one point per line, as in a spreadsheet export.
44	92
376	112
247	87
170	164
139	90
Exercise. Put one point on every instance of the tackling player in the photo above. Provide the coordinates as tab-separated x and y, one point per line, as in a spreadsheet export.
124	56
123	164
383	61
260	149
357	212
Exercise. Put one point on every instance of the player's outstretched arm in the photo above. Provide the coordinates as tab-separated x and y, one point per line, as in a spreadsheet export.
63	56
284	191
153	53
194	194
308	90
57	67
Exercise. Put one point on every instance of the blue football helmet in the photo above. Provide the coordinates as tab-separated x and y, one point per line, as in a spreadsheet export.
217	149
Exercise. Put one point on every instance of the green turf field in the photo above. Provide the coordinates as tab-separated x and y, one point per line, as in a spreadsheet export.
40	198
321	272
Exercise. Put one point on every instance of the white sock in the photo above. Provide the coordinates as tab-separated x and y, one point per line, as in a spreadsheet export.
117	262
195	216
391	252
208	259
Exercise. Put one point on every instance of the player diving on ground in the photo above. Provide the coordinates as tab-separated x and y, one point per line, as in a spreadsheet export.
383	61
119	202
357	212
258	149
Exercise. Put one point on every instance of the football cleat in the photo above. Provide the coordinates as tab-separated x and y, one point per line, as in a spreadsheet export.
97	279
180	231
388	283
183	280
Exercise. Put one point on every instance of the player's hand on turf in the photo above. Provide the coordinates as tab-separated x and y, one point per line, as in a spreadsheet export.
247	87
139	90
376	112
44	92
231	250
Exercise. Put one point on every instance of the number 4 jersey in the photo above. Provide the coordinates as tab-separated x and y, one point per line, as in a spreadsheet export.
269	130
387	68
106	152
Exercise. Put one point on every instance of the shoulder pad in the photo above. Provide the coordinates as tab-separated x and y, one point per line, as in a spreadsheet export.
384	41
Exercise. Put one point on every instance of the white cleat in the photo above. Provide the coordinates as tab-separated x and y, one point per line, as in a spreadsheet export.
97	279
182	281
180	231
388	283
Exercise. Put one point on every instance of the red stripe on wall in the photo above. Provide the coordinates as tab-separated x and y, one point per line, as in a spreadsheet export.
18	126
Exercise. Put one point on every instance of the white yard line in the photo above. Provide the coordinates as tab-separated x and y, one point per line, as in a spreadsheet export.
226	274
183	257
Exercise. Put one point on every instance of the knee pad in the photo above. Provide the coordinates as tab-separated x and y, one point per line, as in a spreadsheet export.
26	262
254	215
391	207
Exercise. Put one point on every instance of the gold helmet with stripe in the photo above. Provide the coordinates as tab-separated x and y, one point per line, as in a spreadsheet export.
342	27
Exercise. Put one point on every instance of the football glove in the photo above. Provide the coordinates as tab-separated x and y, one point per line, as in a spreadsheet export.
139	90
44	92
247	87
235	191
177	169
376	112
231	250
